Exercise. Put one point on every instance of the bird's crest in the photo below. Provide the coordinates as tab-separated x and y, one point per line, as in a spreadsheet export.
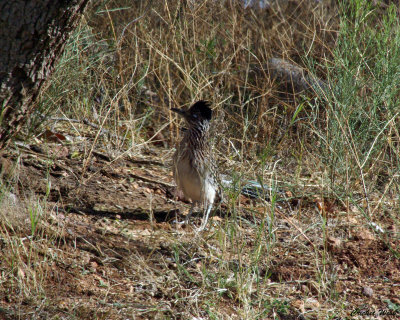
202	108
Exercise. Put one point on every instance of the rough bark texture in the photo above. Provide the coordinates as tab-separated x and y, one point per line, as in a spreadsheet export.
32	36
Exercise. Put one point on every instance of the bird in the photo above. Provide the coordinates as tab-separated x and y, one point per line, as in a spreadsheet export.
194	169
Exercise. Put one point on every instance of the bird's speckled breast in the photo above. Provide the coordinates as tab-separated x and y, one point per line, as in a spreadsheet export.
188	173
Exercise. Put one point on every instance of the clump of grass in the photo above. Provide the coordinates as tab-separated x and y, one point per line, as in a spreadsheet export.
27	241
359	139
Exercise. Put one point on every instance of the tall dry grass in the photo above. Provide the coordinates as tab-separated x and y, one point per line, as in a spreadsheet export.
129	62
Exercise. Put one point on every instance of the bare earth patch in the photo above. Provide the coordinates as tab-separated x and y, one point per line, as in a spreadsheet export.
107	247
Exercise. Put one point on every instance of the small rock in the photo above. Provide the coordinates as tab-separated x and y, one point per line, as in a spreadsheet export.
352	220
298	304
367	291
311	303
12	198
334	243
135	185
364	234
147	190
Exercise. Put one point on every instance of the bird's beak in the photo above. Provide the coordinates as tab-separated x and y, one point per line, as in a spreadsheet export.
179	111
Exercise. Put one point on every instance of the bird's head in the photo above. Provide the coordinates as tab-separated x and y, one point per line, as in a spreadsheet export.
199	112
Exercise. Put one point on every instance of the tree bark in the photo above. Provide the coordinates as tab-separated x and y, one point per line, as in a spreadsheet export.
32	37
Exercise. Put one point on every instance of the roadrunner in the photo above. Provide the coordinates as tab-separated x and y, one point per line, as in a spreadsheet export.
193	163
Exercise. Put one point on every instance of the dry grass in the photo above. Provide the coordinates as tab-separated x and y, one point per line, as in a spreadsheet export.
76	245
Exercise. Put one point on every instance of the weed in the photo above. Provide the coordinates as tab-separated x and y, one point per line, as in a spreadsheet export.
326	160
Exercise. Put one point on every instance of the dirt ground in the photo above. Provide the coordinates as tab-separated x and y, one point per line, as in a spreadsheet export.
118	252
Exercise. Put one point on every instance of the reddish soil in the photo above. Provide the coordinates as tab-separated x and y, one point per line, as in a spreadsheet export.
113	219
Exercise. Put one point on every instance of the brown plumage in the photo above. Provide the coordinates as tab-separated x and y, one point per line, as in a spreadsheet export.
193	163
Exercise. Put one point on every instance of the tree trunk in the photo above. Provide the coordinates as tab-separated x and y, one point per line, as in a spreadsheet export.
32	37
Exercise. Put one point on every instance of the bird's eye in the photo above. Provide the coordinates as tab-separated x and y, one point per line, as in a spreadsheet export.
195	116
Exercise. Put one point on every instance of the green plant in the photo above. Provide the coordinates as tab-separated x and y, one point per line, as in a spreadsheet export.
361	102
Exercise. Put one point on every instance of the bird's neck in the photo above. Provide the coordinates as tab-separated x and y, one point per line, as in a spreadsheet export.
197	136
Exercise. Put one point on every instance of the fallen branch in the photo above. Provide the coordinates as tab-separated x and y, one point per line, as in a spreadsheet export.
286	72
88	123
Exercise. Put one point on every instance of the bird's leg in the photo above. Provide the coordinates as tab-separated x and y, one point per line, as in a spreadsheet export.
190	213
205	219
186	221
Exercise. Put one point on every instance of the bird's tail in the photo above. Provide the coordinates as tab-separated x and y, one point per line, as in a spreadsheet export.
253	189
